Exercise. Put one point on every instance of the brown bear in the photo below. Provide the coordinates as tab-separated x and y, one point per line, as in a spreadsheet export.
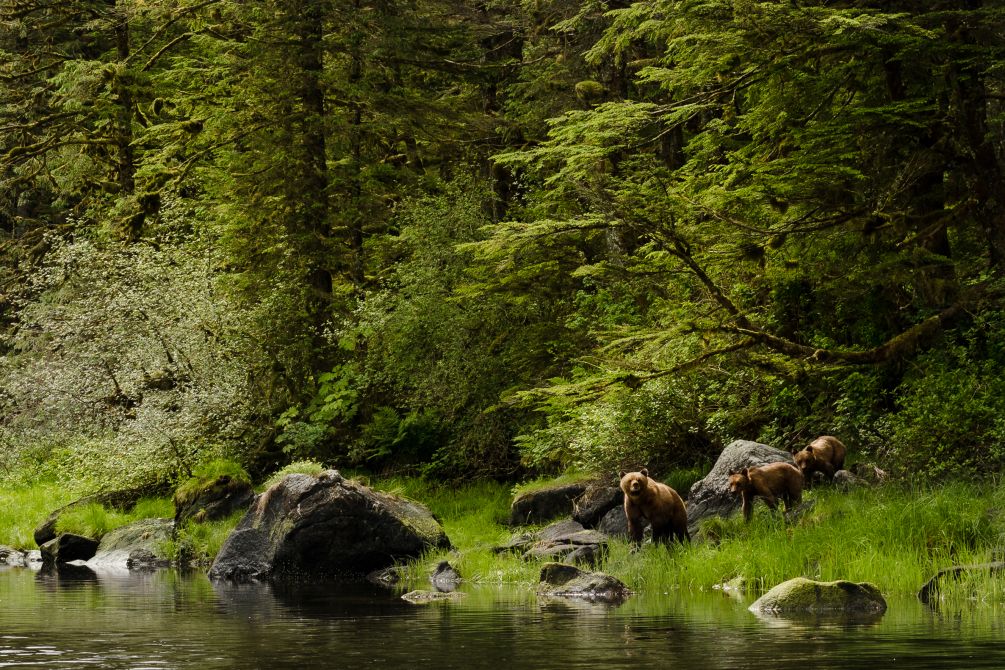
825	454
771	481
660	504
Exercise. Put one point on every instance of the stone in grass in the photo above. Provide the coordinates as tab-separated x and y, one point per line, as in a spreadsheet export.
568	581
545	504
806	596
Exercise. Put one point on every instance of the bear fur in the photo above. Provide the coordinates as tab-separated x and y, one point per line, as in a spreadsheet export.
825	454
771	481
660	504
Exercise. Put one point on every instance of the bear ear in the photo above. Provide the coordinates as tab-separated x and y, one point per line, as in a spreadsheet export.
622	474
809	449
644	472
744	472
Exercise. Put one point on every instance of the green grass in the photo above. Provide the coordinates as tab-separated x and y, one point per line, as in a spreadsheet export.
199	543
22	509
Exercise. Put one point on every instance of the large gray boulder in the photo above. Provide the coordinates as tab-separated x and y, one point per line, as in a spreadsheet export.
801	595
711	496
139	545
545	504
325	526
596	501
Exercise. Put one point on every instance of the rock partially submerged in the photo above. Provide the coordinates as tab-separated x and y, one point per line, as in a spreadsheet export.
445	577
711	496
801	595
545	504
139	545
67	547
12	557
325	526
568	581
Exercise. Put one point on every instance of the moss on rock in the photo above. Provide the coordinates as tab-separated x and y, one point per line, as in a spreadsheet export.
806	595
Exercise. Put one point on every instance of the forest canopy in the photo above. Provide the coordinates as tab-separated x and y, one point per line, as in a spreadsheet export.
487	239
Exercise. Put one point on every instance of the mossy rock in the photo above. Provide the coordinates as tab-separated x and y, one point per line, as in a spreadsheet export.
801	595
212	499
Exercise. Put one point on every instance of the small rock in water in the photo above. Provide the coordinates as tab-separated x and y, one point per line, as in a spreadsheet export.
445	578
568	581
425	597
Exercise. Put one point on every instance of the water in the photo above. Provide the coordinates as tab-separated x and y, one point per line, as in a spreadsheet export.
168	620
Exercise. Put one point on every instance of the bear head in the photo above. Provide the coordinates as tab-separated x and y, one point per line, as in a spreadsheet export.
804	459
634	483
739	481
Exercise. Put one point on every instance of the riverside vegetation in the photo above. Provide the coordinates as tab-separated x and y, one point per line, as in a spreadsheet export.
893	536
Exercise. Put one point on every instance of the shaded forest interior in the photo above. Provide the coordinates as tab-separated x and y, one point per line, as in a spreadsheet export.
492	239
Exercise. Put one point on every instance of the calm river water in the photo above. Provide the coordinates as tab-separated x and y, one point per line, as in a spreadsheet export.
168	620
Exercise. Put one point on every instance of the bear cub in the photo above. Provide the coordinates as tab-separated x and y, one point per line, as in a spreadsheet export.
772	481
660	504
825	454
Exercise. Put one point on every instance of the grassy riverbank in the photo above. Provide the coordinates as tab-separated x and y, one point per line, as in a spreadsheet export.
893	537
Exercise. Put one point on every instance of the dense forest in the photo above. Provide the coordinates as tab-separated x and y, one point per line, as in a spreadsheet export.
496	238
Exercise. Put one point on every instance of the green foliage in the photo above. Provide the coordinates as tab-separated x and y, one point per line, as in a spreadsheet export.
472	244
133	369
950	415
308	431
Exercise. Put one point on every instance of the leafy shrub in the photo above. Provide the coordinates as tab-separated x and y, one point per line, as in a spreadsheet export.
950	412
130	360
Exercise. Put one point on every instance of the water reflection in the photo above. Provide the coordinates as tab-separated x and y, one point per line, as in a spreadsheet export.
168	619
819	620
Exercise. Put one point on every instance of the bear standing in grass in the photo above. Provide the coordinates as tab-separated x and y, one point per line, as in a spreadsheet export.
825	454
660	504
772	481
